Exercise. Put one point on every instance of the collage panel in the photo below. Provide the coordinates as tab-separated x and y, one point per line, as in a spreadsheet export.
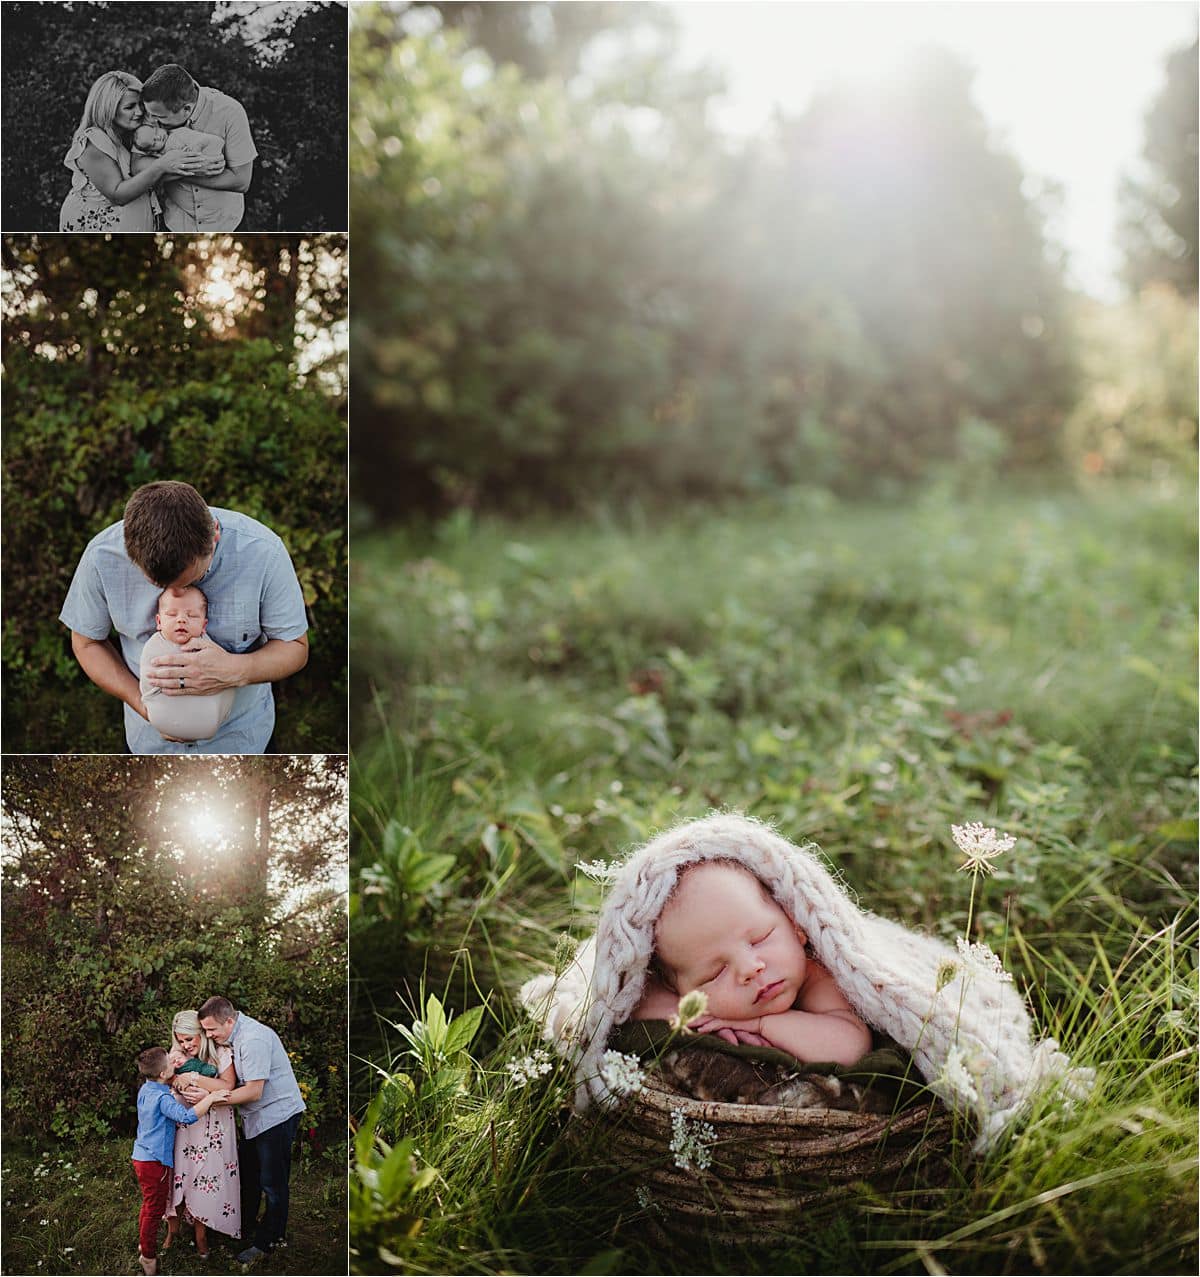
174	116
175	493
773	635
174	950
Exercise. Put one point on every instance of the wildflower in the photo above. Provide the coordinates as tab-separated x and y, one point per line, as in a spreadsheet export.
644	1200
529	1067
597	870
981	845
691	1007
945	973
622	1074
43	1222
957	1077
691	1142
978	959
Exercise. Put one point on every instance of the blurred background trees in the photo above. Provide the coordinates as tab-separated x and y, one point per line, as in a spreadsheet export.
572	289
135	888
216	360
286	67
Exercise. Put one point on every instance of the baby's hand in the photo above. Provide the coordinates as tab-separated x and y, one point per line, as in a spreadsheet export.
735	1032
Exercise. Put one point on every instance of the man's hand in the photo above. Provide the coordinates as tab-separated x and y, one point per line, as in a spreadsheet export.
204	667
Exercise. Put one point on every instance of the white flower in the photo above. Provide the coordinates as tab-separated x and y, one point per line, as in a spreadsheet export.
529	1067
691	1142
691	1007
957	1077
644	1200
978	959
43	1222
597	870
981	845
622	1074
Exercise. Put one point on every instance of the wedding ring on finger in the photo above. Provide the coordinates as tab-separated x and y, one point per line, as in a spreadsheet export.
181	685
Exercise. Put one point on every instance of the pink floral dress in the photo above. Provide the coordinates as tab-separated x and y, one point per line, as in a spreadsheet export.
206	1186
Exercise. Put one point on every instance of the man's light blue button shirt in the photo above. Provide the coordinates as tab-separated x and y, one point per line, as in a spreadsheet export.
253	595
258	1053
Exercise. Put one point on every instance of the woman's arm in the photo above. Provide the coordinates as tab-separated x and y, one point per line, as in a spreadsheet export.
105	175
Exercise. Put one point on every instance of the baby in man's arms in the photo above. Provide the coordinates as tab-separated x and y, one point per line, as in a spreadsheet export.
722	932
153	139
182	619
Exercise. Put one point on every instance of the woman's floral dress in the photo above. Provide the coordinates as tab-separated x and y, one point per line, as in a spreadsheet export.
206	1186
88	209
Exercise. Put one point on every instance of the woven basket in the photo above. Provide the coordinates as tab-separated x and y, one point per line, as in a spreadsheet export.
768	1163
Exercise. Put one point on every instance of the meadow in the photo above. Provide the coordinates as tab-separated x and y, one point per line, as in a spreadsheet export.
533	693
74	1210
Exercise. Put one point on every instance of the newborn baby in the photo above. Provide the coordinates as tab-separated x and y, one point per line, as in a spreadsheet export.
723	933
153	139
181	620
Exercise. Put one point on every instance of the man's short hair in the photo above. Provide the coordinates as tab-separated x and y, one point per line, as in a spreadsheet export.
152	1061
172	86
217	1008
168	526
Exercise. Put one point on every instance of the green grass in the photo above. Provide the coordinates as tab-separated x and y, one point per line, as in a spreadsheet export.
536	693
81	1216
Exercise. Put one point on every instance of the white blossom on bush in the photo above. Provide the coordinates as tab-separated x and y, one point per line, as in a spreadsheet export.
980	845
529	1067
622	1074
691	1142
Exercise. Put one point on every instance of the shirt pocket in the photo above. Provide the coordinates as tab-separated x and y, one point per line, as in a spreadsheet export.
236	628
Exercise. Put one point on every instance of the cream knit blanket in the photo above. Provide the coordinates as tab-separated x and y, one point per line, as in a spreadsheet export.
972	1040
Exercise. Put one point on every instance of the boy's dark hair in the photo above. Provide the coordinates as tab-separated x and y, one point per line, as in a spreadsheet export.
152	1062
172	86
168	526
217	1008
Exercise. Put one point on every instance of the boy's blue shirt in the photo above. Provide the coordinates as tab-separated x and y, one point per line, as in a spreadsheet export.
158	1111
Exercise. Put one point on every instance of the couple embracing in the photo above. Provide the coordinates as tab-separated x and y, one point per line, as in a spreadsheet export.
169	148
189	1163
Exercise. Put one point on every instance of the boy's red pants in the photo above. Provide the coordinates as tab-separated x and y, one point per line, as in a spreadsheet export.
155	1181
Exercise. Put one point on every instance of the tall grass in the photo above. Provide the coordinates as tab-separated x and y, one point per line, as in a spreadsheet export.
541	693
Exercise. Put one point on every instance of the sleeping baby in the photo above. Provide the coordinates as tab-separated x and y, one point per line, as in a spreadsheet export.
181	620
153	139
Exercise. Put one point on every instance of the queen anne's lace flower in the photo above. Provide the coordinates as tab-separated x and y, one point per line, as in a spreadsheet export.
978	959
622	1074
980	845
597	870
529	1067
957	1077
691	1142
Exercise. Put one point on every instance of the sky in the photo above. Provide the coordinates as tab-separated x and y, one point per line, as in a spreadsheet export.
1064	86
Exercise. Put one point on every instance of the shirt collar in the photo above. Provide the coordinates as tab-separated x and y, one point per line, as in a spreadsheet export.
237	1024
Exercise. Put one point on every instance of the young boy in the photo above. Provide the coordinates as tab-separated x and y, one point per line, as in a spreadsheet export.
154	1148
721	932
182	618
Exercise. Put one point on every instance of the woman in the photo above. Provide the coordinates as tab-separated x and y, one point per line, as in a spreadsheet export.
105	193
206	1189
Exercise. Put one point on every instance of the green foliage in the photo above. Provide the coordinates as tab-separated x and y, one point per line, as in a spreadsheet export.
118	913
1137	415
865	675
116	375
567	295
1160	210
292	84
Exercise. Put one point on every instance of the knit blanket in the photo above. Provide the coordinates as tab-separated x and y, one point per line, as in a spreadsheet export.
963	1023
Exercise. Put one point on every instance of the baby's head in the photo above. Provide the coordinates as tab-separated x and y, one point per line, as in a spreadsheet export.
150	138
182	614
154	1063
723	933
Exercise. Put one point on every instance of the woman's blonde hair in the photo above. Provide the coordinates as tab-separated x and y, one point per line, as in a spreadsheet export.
188	1023
103	102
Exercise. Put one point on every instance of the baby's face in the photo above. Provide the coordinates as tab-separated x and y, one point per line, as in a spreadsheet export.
182	615
722	933
150	138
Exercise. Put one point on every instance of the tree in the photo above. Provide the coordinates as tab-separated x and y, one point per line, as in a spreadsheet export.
1160	211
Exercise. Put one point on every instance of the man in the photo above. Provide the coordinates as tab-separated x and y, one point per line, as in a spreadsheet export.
257	629
217	203
271	1105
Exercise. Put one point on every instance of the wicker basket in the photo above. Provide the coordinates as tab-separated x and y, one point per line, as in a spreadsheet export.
768	1163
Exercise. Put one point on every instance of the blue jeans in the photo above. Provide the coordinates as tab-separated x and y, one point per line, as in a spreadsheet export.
266	1165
